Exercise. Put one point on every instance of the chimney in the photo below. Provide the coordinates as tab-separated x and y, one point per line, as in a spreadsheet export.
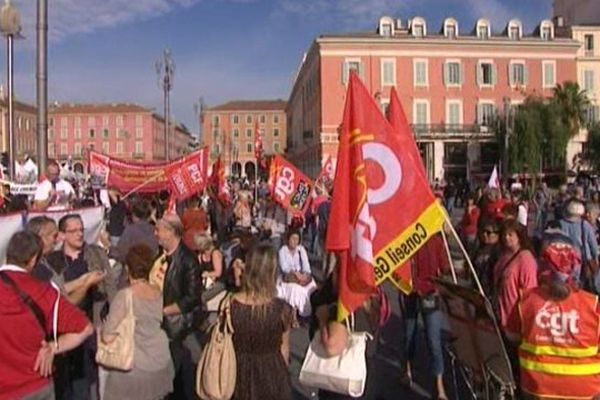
559	21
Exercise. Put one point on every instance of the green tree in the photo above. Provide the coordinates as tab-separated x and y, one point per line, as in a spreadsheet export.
592	152
572	103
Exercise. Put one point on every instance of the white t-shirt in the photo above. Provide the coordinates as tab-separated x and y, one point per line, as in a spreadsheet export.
522	215
64	191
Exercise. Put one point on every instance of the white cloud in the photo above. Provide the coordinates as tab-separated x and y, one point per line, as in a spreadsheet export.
68	17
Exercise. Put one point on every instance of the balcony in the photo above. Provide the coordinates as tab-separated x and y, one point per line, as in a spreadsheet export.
453	131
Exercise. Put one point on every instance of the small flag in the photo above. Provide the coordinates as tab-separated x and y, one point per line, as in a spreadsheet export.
494	181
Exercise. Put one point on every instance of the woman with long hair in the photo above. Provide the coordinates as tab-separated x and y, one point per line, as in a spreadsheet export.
261	331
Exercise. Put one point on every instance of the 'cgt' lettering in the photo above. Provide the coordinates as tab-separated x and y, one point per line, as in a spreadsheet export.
558	322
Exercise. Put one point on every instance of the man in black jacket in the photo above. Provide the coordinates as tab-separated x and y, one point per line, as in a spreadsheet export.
183	310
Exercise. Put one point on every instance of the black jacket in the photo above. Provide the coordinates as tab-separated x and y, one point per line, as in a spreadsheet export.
183	286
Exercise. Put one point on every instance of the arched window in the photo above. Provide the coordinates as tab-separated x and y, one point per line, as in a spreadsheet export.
483	29
450	28
386	26
547	30
514	29
418	27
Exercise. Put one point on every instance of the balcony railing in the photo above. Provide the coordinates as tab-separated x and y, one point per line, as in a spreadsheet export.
449	131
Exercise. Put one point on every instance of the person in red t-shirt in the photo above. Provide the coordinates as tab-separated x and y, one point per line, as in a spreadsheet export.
469	223
495	205
26	356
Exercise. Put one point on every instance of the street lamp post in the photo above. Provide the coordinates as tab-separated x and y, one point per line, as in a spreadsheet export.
165	70
10	27
42	84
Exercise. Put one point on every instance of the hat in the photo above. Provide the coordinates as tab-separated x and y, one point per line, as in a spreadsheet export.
561	256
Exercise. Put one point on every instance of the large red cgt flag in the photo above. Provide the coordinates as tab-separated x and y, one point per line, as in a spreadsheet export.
383	210
189	176
218	182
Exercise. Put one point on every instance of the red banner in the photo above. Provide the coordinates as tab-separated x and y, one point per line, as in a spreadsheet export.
188	176
382	209
218	182
290	188
127	175
258	144
327	173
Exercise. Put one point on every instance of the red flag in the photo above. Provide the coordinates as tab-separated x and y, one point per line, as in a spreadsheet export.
327	173
289	187
172	206
219	183
379	174
258	144
188	177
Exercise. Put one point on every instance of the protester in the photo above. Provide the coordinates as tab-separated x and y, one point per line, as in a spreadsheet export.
272	222
541	199
469	223
76	371
242	211
152	375
261	331
140	231
487	254
558	359
195	221
26	350
296	282
116	216
431	261
179	278
53	193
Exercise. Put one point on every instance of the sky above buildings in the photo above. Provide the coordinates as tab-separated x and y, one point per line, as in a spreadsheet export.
105	50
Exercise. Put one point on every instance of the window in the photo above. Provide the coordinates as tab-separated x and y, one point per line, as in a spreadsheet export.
119	120
139	120
548	70
77	149
216	120
418	27
64	132
91	121
518	75
515	29
64	121
92	146
588	80
248	119
486	114
78	133
546	33
263	119
92	133
51	149
385	30
421	113
276	147
51	122
236	132
249	132
249	147
275	132
276	119
235	119
139	147
453	73
450	28
51	133
384	105
486	74
105	147
513	33
216	132
139	132
421	77
588	42
19	122
388	72
592	114
105	133
453	114
105	120
120	148
216	149
483	29
351	65
64	150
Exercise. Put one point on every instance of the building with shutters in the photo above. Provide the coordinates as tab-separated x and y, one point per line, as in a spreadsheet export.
126	131
453	82
229	132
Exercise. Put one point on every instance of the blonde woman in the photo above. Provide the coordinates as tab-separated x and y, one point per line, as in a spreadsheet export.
211	266
243	211
261	324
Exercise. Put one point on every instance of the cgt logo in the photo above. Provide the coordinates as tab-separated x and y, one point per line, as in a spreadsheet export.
558	322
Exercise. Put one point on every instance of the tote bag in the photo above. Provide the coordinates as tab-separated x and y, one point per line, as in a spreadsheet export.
217	369
344	374
118	354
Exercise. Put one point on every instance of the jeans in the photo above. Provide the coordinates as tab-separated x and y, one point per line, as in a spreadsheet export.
433	328
185	354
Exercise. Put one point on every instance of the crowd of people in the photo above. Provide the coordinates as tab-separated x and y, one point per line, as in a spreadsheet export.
61	298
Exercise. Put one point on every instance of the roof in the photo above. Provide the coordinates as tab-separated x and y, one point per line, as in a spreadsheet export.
82	108
251	105
19	106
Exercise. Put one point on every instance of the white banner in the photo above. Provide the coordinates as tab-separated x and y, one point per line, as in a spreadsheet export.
92	222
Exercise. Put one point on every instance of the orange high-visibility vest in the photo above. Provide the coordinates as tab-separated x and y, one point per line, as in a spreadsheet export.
559	349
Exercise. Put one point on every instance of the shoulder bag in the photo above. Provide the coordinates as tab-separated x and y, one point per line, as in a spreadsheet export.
217	368
118	354
345	374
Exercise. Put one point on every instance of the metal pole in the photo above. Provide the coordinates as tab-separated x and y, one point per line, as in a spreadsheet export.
166	114
506	136
42	85
168	118
12	148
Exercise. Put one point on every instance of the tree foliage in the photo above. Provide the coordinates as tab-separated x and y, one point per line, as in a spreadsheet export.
592	152
572	103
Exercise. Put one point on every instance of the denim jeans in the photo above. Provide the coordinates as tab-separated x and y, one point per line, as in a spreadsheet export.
433	328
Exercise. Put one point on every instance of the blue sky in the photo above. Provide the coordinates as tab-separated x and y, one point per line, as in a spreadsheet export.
104	50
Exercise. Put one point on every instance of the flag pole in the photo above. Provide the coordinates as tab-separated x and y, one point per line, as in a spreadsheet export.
450	260
255	180
141	185
464	251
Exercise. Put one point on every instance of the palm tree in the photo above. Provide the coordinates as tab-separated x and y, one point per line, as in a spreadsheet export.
573	102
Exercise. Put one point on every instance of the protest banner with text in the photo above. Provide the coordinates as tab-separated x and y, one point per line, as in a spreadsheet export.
290	188
189	176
